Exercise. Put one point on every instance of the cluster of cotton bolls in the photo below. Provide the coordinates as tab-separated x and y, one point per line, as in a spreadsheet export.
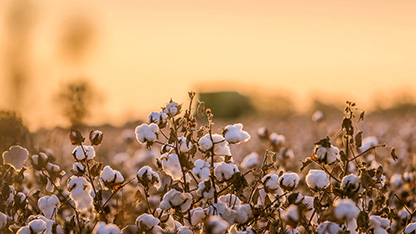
179	177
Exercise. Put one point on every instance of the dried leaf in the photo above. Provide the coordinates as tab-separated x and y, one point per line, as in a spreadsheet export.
393	154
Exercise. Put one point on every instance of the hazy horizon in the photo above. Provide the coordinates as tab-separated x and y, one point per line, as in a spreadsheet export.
140	54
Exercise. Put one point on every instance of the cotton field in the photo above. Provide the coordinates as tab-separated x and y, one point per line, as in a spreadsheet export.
181	172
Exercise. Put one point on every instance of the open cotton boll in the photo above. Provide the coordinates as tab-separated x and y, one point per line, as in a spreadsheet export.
368	142
49	223
184	230
108	175
351	183
379	224
197	216
103	228
276	139
80	192
225	171
49	205
146	133
325	154
206	190
37	225
410	228
270	182
396	180
183	147
345	209
219	143
250	161
158	118
39	161
201	169
244	213
79	154
24	230
16	156
78	168
171	165
3	220
289	181
172	108
222	209
148	224
174	198
328	228
147	177
216	225
205	143
234	134
291	215
317	179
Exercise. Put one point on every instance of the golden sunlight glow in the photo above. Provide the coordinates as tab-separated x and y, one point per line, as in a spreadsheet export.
138	54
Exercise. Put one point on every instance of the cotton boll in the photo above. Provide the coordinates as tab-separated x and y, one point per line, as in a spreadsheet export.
205	143
345	209
379	224
225	171
276	139
78	168
174	198
80	192
234	134
244	213
289	181
250	161
328	228
111	177
317	179
103	228
183	147
147	223
351	184
206	190
171	165
222	209
172	108
158	118
147	177
184	230
291	215
326	154
197	216
270	182
221	147
37	225
79	153
219	143
396	180
3	220
368	142
201	169
146	133
49	205
24	230
216	225
410	228
39	161
49	223
16	156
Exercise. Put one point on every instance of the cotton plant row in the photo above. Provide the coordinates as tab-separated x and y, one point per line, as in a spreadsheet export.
197	186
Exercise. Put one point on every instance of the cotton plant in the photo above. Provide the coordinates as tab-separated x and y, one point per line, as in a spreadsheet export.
200	181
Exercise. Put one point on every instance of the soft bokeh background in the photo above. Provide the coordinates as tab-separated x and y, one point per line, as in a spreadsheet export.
136	55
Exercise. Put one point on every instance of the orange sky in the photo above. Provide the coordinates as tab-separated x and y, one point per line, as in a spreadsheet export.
146	52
